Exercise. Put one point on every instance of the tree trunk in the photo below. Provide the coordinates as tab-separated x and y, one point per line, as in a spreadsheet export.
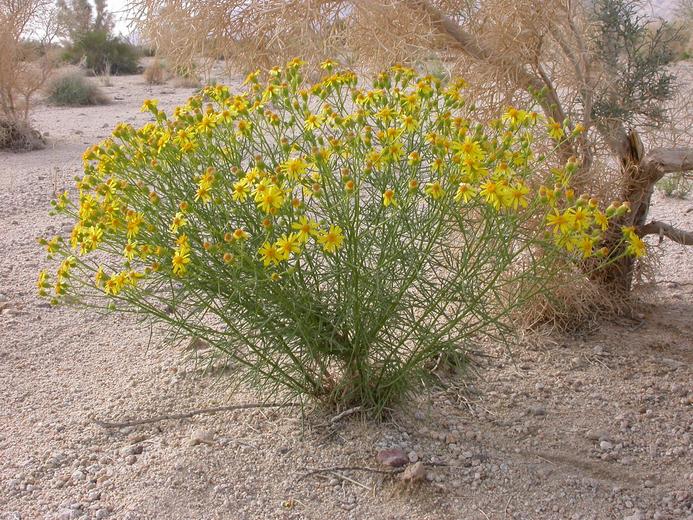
642	172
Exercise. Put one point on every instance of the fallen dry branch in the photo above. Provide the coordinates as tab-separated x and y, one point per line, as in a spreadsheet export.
321	471
192	413
665	230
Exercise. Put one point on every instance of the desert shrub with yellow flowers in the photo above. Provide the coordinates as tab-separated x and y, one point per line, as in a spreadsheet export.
333	241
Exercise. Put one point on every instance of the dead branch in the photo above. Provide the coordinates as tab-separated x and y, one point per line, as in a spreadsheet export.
320	471
192	413
665	230
668	160
345	413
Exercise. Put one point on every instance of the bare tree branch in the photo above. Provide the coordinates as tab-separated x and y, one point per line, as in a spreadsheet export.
668	160
665	230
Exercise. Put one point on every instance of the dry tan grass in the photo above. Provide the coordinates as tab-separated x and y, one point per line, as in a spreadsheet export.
155	73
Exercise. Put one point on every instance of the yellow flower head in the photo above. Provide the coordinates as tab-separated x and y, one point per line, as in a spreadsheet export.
241	190
289	245
560	222
269	254
240	234
305	228
294	169
331	240
515	196
464	193
180	262
43	283
178	222
271	200
434	190
492	192
389	198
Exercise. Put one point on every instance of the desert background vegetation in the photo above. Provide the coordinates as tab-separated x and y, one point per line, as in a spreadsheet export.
585	411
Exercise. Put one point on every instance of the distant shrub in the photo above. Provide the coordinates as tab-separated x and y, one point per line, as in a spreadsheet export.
75	90
102	52
676	185
155	74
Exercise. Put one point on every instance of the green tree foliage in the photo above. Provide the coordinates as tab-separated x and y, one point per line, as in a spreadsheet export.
91	42
104	53
635	54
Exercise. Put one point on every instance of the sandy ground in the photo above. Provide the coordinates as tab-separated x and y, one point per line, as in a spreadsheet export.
591	426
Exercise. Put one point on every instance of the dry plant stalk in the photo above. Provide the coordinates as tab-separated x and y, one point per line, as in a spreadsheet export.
509	50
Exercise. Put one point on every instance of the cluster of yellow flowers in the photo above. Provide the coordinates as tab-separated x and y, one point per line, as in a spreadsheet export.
262	177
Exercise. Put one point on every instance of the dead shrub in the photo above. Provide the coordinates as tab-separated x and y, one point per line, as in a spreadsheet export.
18	136
187	82
155	74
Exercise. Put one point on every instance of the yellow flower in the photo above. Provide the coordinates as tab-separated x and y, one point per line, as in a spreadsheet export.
305	228
394	151
555	129
65	266
389	198
294	168
514	116
178	222
328	65
180	261
580	218
313	121
245	128
269	254
636	246
585	244
130	250
150	105
437	164
409	124
99	277
601	220
464	193
134	221
289	245
515	196
491	191
560	222
331	240
434	190
43	283
92	238
469	149
251	78
240	234
385	114
203	194
261	188
414	158
272	199
241	190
